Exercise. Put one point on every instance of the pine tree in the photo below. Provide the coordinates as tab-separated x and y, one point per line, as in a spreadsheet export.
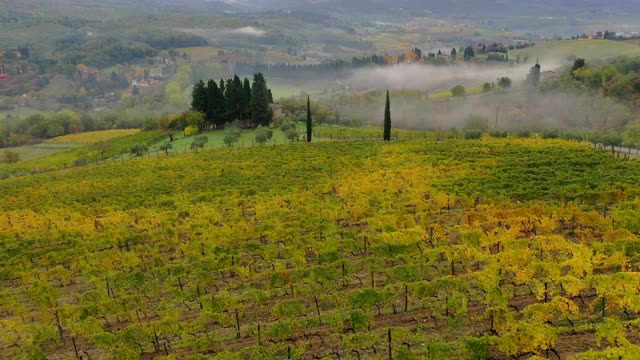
387	119
309	120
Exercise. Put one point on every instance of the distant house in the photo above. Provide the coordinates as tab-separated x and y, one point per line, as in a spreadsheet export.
277	111
89	74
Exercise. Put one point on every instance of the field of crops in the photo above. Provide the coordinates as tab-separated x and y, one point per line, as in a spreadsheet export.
92	137
116	149
419	249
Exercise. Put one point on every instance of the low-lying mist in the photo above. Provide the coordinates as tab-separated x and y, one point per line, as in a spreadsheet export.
515	109
430	77
519	107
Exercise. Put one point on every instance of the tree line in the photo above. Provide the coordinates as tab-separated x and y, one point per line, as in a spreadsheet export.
233	99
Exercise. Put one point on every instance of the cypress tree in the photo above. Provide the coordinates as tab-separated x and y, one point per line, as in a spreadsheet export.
246	100
260	111
387	119
231	97
534	75
309	120
199	97
238	97
214	110
222	119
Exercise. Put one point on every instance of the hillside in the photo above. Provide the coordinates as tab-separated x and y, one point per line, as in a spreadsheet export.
557	52
453	249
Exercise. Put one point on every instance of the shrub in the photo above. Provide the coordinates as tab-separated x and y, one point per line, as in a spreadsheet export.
199	142
10	157
190	130
458	90
166	147
473	135
261	138
477	348
232	136
504	82
139	149
288	125
476	123
230	140
498	134
573	136
523	134
292	134
550	134
81	161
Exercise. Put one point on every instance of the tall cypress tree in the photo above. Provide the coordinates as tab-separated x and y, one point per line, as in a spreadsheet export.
214	110
309	120
260	111
238	97
199	97
230	99
246	100
223	105
534	75
387	119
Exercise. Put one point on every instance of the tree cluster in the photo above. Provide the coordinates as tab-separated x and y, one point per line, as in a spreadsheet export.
616	78
233	99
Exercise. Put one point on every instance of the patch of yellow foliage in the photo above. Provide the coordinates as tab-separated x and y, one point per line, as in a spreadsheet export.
92	137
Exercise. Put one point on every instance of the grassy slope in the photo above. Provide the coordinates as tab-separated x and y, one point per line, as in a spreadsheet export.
555	51
30	152
216	140
62	143
64	159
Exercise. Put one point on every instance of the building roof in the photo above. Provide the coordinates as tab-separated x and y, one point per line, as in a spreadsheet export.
275	107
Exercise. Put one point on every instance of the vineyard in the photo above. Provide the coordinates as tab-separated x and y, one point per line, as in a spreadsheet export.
493	248
92	137
108	147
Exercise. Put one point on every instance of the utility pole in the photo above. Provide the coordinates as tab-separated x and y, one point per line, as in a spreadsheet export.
497	113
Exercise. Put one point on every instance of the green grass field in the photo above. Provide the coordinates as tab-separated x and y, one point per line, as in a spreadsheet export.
182	144
559	51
